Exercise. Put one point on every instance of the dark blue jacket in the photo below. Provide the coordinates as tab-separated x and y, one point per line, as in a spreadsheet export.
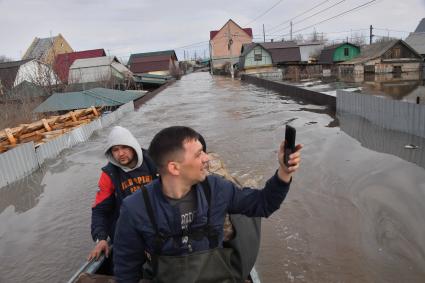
135	233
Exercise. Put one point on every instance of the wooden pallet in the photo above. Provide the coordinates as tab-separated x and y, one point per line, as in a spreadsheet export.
46	129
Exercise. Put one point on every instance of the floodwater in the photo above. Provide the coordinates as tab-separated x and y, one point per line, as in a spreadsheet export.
408	87
354	213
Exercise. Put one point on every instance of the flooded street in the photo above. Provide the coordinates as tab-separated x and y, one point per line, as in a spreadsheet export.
354	213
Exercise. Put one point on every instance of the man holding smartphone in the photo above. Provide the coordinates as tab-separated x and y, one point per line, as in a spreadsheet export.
175	224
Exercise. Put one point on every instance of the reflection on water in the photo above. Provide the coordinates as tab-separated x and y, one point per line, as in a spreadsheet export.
383	140
23	194
398	86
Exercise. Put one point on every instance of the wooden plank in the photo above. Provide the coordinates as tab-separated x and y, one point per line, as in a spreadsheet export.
54	133
28	135
2	149
94	111
46	125
10	136
56	125
33	138
76	123
73	116
21	131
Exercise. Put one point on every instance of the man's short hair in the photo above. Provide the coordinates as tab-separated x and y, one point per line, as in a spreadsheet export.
168	142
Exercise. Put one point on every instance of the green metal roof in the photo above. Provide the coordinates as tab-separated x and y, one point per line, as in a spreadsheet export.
152	79
86	98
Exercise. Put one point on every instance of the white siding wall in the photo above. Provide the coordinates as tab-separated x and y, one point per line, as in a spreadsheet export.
92	74
309	50
250	58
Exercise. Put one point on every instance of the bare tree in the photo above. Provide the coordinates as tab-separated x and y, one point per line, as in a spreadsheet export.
299	38
314	37
358	39
385	38
4	59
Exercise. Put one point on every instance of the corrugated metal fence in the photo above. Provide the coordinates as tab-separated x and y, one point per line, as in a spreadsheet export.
391	114
293	91
25	159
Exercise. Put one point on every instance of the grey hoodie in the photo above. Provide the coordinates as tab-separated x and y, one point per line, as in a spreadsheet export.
121	136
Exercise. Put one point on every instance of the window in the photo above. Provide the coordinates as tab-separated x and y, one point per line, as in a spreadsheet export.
346	51
397	69
258	56
396	52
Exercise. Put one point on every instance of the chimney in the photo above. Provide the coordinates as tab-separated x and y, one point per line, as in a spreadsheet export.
271	40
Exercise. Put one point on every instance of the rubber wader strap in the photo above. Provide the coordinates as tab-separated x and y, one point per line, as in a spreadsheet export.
212	234
159	239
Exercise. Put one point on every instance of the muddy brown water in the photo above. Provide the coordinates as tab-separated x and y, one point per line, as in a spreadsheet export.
355	213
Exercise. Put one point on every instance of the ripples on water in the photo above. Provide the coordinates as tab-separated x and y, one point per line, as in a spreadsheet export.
354	213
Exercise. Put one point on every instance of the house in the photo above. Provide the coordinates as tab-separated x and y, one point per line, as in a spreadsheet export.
310	51
255	58
226	44
109	98
393	56
29	71
157	63
283	52
416	39
100	71
421	26
65	60
46	49
338	53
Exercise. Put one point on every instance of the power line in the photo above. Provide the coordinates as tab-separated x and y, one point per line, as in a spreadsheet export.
268	10
402	31
196	43
325	33
321	3
321	11
340	14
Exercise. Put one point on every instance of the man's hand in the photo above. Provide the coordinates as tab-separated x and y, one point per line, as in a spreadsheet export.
100	247
285	173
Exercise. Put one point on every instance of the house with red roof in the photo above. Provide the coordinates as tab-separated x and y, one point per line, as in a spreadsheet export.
64	61
156	63
226	44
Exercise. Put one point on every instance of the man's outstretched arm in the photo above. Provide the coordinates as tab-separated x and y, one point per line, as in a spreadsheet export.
262	203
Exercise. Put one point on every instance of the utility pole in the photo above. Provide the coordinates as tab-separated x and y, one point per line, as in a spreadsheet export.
229	46
264	34
291	30
211	58
371	34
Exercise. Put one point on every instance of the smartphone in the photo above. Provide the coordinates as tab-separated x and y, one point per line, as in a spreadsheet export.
290	133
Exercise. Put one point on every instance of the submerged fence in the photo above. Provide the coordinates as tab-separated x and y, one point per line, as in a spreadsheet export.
25	159
293	91
390	114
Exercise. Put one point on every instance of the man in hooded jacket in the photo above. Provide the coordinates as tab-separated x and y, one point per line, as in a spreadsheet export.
129	168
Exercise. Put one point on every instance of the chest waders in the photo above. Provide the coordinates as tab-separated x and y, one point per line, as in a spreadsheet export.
210	266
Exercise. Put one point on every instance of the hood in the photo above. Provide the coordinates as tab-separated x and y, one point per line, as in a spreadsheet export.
122	136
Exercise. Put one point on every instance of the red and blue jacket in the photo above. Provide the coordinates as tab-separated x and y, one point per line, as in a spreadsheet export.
115	185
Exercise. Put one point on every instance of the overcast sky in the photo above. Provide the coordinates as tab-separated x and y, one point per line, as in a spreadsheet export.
131	26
